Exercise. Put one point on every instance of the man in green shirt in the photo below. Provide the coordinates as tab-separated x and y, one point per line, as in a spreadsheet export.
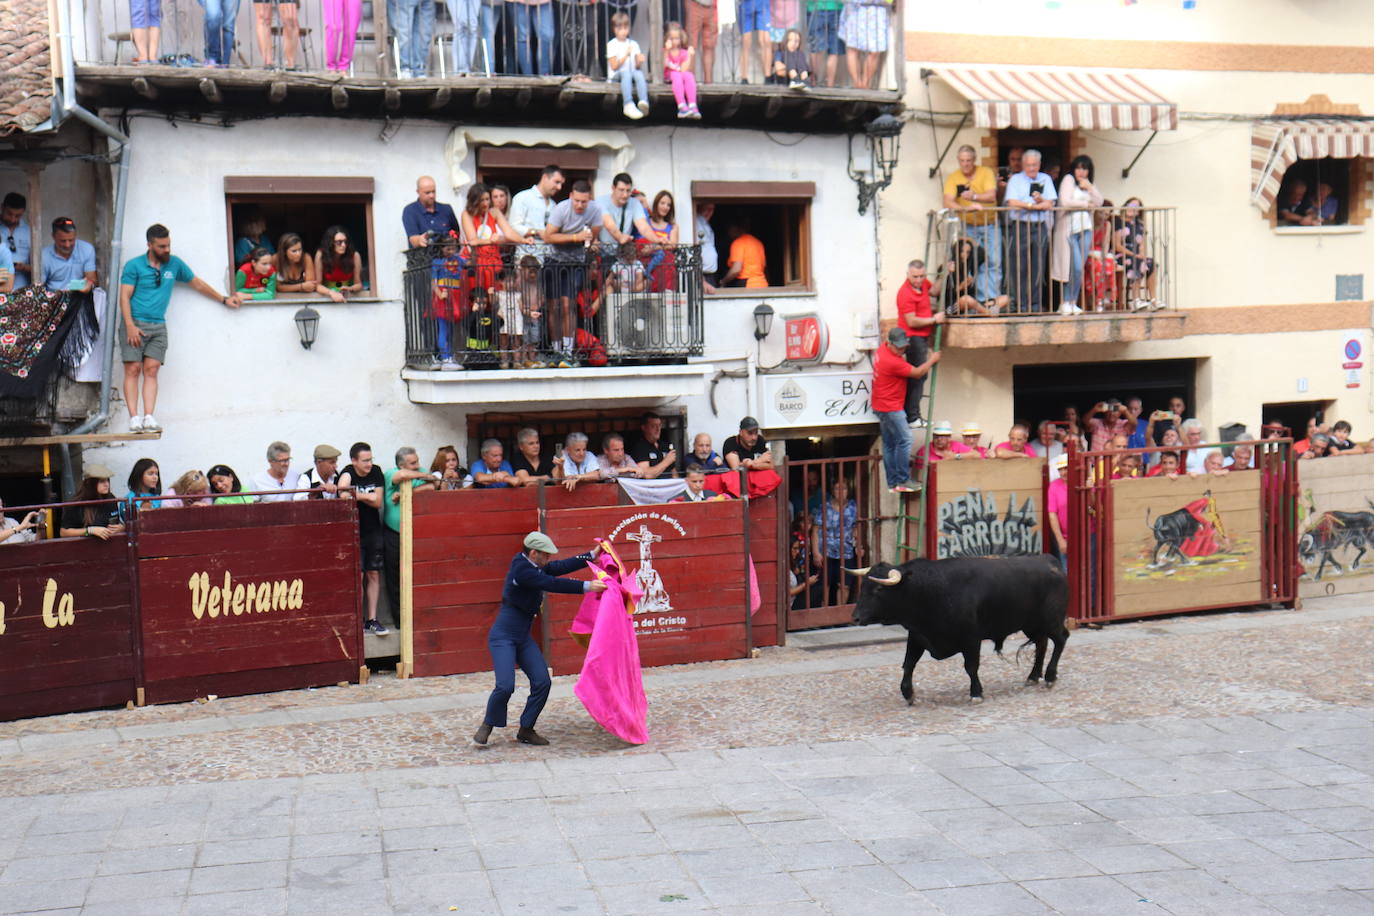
145	291
407	469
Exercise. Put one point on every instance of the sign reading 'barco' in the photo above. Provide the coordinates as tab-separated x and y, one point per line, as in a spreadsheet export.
816	399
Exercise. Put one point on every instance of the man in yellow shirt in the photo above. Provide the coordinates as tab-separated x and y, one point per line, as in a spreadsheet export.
747	260
972	191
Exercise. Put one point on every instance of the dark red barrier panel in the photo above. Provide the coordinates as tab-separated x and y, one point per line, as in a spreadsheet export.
764	532
66	627
463	544
248	599
697	612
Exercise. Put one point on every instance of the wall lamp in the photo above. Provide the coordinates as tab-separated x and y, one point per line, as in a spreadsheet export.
883	135
763	320
307	325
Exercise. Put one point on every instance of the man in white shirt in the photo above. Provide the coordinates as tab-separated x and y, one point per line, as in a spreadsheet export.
577	464
321	480
278	475
706	238
529	210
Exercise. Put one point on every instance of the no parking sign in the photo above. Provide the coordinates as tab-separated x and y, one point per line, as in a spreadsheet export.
1352	365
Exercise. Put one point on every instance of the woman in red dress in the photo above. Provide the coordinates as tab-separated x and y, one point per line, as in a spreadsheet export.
485	230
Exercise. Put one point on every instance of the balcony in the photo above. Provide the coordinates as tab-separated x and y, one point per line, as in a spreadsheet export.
509	77
1003	284
484	327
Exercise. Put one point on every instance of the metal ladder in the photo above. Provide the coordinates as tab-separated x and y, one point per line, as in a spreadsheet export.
935	225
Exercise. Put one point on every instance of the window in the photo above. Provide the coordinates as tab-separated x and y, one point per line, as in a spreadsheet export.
777	213
307	207
519	167
1052	144
1313	186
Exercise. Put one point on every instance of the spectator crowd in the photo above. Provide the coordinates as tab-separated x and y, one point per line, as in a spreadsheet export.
97	511
797	43
1029	240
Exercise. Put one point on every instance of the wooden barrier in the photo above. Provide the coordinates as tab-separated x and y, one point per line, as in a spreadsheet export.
1336	527
463	542
66	627
690	561
767	529
986	508
1218	565
248	598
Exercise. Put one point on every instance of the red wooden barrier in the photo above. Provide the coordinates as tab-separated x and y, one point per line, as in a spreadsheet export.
463	544
695	552
766	527
66	627
248	598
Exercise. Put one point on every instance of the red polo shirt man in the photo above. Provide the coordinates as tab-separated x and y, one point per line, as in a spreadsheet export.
915	318
891	376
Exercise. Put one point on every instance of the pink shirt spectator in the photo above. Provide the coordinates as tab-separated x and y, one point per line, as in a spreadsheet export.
1057	501
1025	449
955	447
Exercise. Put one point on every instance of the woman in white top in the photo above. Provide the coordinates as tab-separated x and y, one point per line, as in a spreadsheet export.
1073	231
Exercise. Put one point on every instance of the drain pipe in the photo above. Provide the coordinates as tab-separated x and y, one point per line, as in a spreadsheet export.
67	104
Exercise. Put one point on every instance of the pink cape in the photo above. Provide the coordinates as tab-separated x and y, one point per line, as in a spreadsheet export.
611	686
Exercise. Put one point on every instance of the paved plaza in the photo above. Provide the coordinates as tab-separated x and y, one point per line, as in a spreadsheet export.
1211	764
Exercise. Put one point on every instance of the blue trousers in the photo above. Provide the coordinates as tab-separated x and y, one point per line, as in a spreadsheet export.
465	15
412	22
511	644
896	435
219	30
542	17
630	77
1079	244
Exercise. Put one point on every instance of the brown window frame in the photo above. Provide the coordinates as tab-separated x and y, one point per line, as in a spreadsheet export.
255	189
797	246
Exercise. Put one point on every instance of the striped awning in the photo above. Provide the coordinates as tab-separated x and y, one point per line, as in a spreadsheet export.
1065	99
1276	145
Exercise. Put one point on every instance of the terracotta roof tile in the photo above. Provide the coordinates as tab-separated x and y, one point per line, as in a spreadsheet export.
25	60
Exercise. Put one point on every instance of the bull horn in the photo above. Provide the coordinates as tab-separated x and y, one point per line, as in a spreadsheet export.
893	578
858	572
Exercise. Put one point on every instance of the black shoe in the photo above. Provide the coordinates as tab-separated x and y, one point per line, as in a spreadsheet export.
529	736
483	733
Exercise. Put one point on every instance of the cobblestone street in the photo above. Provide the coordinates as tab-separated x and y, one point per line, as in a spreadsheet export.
1217	764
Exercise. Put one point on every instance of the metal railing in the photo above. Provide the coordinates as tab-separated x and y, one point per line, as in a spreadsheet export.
445	38
997	261
506	306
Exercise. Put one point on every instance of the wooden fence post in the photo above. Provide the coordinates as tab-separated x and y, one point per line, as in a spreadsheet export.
407	609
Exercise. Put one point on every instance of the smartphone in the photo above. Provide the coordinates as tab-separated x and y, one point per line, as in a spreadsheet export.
1320	417
1003	172
1038	188
959	190
76	286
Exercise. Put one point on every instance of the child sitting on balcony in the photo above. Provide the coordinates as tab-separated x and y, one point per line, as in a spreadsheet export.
677	69
790	67
624	61
257	277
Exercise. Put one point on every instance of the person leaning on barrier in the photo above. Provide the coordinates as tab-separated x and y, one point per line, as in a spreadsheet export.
96	521
323	479
13	532
363	481
614	461
654	457
748	449
578	463
696	486
226	486
407	470
278	475
533	572
531	468
492	469
448	468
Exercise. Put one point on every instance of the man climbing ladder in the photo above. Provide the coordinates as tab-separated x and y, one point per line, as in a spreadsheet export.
892	376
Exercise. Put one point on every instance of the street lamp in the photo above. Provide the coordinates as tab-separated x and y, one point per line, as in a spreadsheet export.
307	323
763	320
883	135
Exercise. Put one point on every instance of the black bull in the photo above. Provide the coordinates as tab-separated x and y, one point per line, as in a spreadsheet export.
950	606
1172	530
